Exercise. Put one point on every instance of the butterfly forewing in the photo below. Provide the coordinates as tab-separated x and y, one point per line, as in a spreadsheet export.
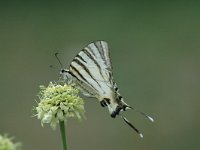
92	67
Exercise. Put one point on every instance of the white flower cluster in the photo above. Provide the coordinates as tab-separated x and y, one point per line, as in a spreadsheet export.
59	102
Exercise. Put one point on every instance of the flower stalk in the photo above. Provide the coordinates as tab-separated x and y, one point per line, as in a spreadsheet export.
63	136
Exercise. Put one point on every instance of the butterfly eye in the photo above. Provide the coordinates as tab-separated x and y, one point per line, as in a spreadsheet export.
62	71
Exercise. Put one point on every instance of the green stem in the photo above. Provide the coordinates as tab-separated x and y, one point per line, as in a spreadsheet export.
63	136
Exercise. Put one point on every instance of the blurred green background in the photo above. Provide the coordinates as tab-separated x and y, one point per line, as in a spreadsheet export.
155	50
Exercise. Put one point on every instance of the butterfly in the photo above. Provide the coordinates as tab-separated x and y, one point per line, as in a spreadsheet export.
91	70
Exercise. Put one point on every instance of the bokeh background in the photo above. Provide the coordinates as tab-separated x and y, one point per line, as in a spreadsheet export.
155	50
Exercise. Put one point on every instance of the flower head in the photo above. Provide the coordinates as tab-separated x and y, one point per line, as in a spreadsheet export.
7	144
59	102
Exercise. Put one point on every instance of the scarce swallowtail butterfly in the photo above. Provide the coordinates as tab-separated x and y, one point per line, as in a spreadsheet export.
91	70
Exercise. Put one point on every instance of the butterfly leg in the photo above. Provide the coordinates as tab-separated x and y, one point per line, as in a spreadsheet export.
105	102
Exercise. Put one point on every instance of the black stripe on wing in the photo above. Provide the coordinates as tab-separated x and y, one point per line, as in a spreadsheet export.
74	76
89	55
81	77
80	84
99	49
86	70
102	47
81	58
87	52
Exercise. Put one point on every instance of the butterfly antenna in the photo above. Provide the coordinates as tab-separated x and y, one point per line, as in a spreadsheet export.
56	54
142	113
132	126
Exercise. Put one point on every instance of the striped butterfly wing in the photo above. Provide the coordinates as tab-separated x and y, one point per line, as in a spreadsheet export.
92	70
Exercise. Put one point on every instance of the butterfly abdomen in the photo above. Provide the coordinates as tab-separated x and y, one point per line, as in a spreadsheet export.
120	107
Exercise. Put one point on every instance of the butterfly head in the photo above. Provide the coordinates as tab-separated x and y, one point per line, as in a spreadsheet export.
64	73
